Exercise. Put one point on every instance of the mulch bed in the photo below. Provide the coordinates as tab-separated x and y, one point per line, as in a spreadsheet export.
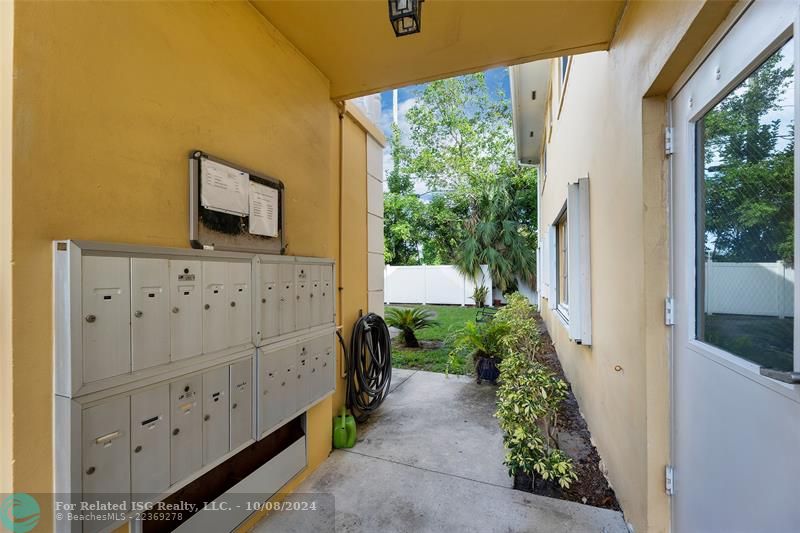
592	488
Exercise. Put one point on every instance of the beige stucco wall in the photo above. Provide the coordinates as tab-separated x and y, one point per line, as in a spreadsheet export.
609	131
108	100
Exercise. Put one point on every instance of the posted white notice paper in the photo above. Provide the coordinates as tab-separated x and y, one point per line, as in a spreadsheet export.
263	210
223	188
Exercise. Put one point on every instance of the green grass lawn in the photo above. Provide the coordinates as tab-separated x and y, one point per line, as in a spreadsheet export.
451	319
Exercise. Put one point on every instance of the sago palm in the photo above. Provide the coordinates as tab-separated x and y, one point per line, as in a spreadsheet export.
410	320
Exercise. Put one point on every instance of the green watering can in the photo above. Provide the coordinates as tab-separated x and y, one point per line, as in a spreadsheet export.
344	430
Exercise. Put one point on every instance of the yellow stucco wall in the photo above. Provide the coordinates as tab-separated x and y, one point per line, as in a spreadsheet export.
108	100
609	131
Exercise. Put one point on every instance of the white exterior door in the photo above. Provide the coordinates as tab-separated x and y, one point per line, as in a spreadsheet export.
736	432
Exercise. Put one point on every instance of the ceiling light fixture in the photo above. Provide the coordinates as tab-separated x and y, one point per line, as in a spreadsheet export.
405	16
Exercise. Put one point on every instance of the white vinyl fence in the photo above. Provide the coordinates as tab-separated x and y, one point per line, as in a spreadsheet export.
435	284
763	289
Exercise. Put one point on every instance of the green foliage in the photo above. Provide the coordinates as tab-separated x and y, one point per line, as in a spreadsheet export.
410	320
479	295
520	316
481	205
749	171
478	340
449	319
528	400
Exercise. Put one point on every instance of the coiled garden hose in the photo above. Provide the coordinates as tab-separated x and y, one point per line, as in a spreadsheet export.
369	365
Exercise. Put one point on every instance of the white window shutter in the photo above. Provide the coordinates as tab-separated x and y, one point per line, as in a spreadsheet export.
585	275
553	265
574	261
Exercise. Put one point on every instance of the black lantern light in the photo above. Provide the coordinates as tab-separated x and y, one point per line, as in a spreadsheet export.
405	16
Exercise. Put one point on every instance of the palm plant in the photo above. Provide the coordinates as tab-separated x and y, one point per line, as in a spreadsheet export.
479	295
410	320
495	236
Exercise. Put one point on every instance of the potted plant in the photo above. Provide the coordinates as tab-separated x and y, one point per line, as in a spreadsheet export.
484	344
479	295
409	321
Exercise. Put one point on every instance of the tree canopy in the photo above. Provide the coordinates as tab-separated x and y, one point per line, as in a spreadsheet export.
749	170
479	206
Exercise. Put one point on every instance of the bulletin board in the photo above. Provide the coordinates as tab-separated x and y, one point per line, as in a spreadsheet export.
234	208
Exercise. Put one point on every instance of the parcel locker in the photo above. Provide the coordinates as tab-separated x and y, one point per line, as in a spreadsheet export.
241	401
186	433
106	309
316	295
239	316
302	312
216	414
215	306
106	460
150	342
286	299
269	300
326	304
186	309
150	442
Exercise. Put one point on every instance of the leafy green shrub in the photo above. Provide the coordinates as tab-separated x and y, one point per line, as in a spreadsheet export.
528	400
520	317
409	320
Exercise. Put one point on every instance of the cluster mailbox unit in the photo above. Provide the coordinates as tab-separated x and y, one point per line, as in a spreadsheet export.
170	361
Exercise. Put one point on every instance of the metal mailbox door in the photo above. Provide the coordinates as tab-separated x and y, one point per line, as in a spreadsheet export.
186	422
303	386
241	387
186	309
286	300
326	303
275	387
239	316
302	311
216	414
106	317
215	306
106	453
290	386
150	442
316	295
269	300
150	343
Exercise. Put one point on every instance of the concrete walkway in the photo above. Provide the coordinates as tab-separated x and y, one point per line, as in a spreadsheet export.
431	460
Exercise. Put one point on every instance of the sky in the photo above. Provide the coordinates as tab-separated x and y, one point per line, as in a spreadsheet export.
495	79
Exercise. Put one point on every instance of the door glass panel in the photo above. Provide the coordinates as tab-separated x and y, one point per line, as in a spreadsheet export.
745	217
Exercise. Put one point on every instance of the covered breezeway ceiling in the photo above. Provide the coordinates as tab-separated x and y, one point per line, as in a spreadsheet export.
353	44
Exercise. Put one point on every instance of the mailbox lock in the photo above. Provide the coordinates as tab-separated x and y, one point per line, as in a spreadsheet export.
234	406
137	449
186	388
176	431
263	300
312	294
90	471
138	314
207	418
185	270
233	304
90	318
175	310
208	306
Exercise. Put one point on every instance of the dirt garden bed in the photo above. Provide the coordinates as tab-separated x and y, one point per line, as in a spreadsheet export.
592	488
